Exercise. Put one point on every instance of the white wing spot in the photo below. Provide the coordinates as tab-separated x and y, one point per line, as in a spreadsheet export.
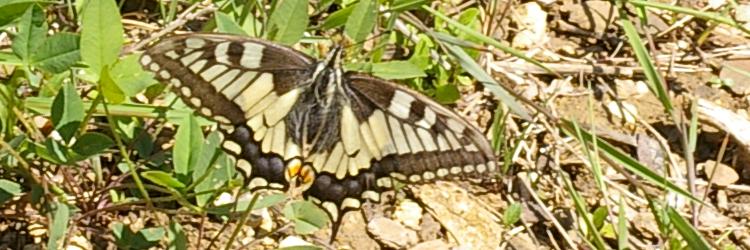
197	66
401	104
195	101
190	58
194	43
221	53
185	91
145	59
213	71
251	55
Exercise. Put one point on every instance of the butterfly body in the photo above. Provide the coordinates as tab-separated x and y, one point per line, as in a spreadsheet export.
286	115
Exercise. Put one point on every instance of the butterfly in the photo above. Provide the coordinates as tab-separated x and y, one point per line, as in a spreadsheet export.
287	117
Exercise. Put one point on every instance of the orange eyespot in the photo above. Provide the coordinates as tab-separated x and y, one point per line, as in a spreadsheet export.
307	175
293	169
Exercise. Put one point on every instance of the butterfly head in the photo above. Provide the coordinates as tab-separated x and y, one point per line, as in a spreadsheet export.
334	59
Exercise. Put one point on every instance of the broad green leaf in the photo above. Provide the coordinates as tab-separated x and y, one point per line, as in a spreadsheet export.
58	226
8	189
226	24
396	70
163	179
58	52
144	239
10	58
110	90
289	21
421	56
212	174
187	147
512	214
13	9
101	35
67	111
176	238
600	216
688	232
91	143
447	93
130	77
362	20
307	216
337	19
32	28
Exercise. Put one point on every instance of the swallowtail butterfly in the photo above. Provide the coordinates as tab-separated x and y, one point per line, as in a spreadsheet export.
287	117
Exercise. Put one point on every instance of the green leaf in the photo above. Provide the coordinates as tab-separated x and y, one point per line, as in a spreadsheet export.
212	174
163	179
67	111
337	19
92	143
307	216
471	66
101	35
6	105
127	239
447	93
176	238
187	147
110	90
58	52
362	20
688	232
397	70
226	24
289	21
58	226
129	76
32	29
512	214
13	9
8	189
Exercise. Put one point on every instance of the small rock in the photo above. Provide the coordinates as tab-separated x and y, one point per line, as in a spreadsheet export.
723	175
78	242
742	13
734	70
432	245
627	111
408	213
293	241
533	22
391	233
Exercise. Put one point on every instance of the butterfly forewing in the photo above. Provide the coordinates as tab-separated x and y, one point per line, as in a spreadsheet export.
248	85
278	107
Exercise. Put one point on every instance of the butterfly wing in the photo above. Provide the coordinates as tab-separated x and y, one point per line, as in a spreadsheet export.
237	81
388	132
